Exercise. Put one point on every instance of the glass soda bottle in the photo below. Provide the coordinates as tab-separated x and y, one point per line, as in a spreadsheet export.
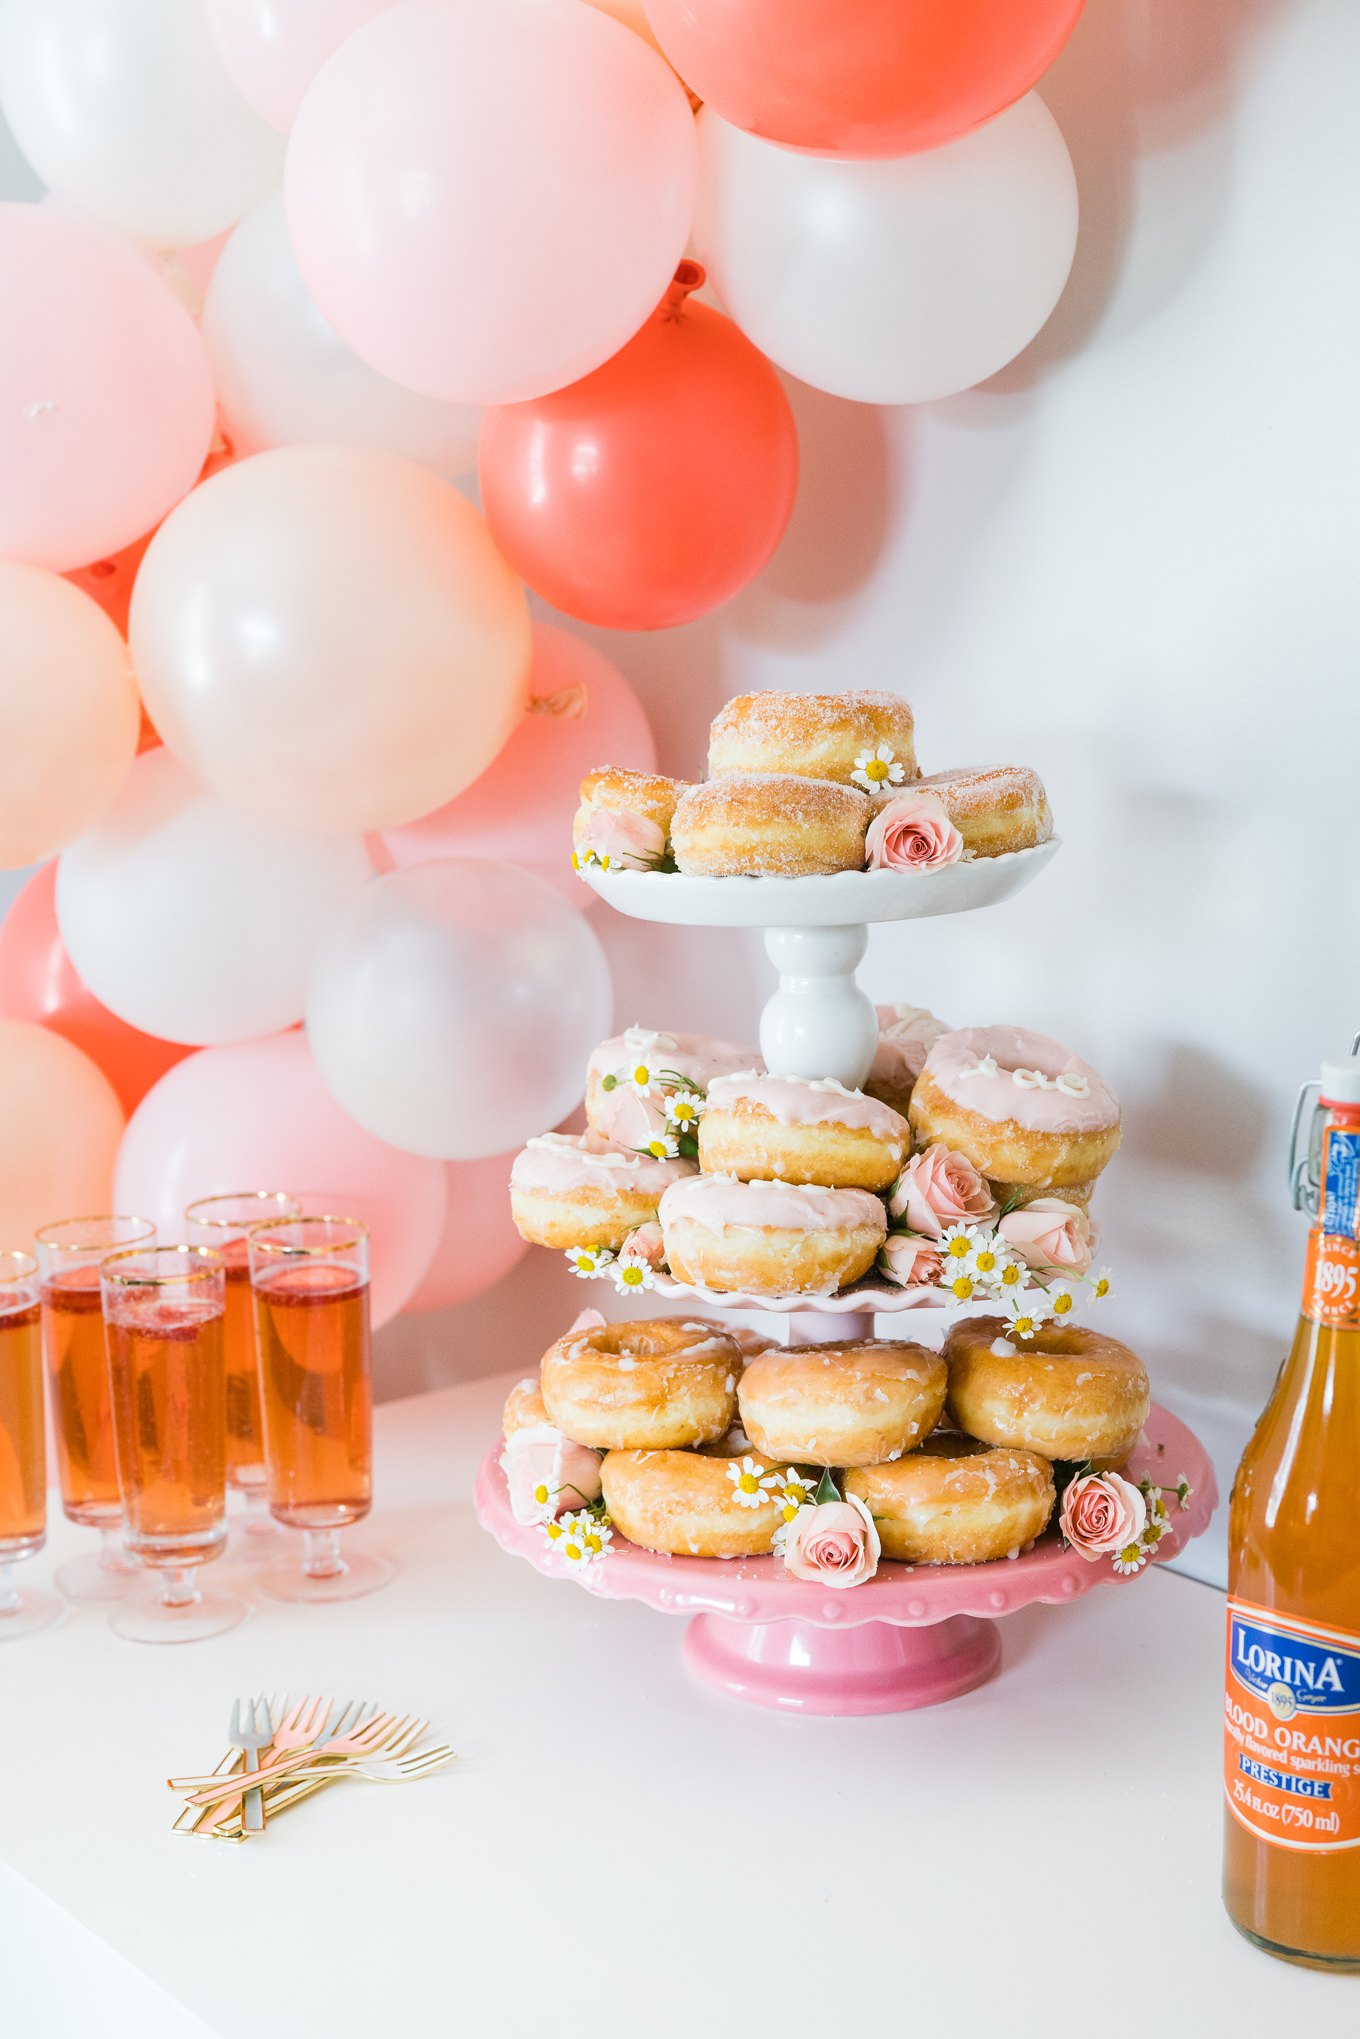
1291	1860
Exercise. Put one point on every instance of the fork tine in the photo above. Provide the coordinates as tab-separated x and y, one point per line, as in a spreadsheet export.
235	1728
317	1715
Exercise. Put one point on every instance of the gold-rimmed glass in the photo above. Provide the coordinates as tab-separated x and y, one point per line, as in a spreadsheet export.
69	1254
23	1447
164	1308
310	1282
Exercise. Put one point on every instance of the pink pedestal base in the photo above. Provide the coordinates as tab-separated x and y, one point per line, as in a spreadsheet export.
874	1668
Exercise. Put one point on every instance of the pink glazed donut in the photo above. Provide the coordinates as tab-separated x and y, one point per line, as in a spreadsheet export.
1024	1109
630	1078
790	1129
770	1238
576	1189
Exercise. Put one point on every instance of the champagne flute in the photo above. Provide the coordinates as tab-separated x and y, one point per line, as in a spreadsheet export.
163	1311
23	1453
225	1223
310	1278
78	1372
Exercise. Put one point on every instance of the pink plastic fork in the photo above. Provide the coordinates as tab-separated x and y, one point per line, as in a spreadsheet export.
299	1730
369	1737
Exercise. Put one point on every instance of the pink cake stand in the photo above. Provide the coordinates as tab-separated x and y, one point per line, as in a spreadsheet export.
910	1636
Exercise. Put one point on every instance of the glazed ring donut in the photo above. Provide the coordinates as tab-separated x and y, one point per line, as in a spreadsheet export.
622	791
1000	809
650	1386
525	1408
773	826
748	1343
853	1404
817	736
1069	1392
955	1502
1023	1108
786	1129
576	1189
639	1067
685	1502
906	1035
769	1238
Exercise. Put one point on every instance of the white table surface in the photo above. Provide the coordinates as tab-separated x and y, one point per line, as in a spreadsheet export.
620	1849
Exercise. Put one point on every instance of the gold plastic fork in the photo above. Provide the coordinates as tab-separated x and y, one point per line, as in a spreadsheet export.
366	1740
385	1770
290	1788
303	1725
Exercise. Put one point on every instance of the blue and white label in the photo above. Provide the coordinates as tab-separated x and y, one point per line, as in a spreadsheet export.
1293	1673
1340	1211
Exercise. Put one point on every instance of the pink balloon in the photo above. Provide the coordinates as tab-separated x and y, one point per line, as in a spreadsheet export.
487	197
106	396
520	810
480	1242
256	1115
272	49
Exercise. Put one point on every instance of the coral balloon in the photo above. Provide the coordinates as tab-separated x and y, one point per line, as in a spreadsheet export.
274	48
861	77
69	714
39	983
487	197
891	282
649	492
106	398
195	920
257	1115
328	636
59	1128
123	107
520	810
454	1005
480	1243
285	377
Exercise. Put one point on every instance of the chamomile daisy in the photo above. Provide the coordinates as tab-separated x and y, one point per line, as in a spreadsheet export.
877	769
1026	1312
588	1261
958	1245
632	1274
585	1538
750	1482
662	1147
988	1261
1131	1559
1102	1284
684	1111
1062	1299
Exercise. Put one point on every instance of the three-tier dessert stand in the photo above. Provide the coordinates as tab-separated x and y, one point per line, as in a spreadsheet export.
911	1635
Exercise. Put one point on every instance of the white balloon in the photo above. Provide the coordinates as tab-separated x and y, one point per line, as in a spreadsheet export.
194	920
123	108
454	1005
274	48
894	281
285	377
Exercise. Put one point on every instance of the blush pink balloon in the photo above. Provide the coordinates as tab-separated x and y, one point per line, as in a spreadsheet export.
272	49
480	1243
106	396
487	197
520	811
256	1115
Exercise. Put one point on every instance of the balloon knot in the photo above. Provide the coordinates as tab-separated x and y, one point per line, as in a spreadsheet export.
689	276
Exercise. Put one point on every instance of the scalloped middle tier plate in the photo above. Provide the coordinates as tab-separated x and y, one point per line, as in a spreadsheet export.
850	898
862	1297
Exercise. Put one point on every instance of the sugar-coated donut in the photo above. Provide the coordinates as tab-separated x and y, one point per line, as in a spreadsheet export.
525	1408
782	826
1022	1107
685	1502
852	1403
769	1238
787	1129
648	1386
955	1502
818	736
626	792
906	1035
995	810
577	1189
1067	1392
640	1067
748	1343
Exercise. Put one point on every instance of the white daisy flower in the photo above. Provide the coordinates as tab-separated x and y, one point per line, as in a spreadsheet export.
958	1246
878	769
584	1538
784	1529
750	1482
1101	1284
640	1079
962	1287
1131	1559
988	1261
1026	1311
684	1109
553	1532
791	1489
632	1274
1062	1299
663	1148
588	1261
1010	1277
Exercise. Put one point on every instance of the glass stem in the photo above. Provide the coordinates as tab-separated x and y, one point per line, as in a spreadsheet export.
321	1557
177	1586
112	1551
256	1516
11	1599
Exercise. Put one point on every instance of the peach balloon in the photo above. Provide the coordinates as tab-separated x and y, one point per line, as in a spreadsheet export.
69	714
328	636
272	49
256	1114
487	197
106	396
60	1124
480	1243
583	713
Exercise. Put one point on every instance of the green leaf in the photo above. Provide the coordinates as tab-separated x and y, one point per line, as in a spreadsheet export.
827	1490
1065	1470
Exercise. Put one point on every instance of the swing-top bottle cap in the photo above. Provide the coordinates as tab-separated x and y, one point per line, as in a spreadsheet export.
1341	1080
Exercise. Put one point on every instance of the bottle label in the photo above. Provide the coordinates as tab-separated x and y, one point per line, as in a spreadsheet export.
1331	1280
1291	1743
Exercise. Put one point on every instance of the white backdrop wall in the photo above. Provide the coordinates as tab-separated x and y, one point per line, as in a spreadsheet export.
1128	560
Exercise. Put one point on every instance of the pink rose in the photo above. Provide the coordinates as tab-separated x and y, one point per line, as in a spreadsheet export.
940	1188
646	1244
912	834
833	1545
621	839
547	1474
1049	1234
1101	1514
627	1119
912	1262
